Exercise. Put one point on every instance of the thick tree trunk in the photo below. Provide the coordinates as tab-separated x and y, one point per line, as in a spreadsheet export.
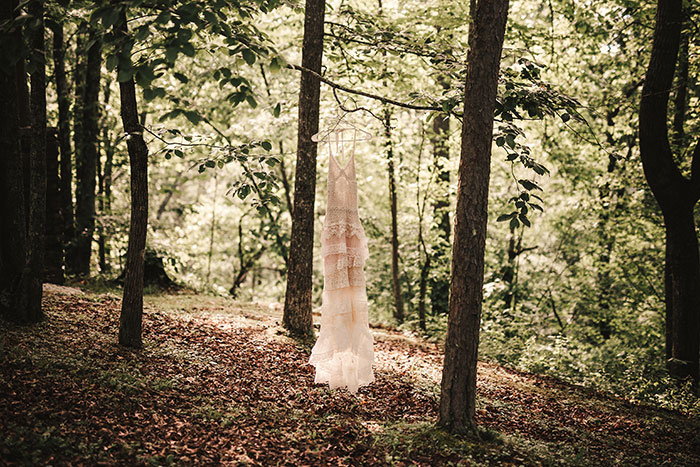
37	165
680	102
675	194
391	173
66	166
13	241
53	268
132	302
25	132
440	284
458	390
297	303
682	246
86	160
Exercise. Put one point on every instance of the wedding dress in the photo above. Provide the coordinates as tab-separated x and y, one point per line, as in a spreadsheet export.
343	353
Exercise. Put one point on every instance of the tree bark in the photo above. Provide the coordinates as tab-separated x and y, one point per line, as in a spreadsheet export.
37	166
86	160
132	303
391	175
13	241
675	194
53	267
23	108
297	304
66	165
105	192
79	71
439	284
458	389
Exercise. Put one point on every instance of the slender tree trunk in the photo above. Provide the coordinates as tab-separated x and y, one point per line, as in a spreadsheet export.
458	389
66	166
297	304
395	277
439	284
79	72
212	230
675	194
37	183
13	241
132	302
86	162
53	269
105	195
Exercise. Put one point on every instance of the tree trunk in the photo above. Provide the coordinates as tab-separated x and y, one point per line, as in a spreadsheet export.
53	269
395	278
297	304
13	241
105	198
37	165
86	160
680	102
682	246
66	166
458	389
79	71
439	284
132	302
675	194
25	131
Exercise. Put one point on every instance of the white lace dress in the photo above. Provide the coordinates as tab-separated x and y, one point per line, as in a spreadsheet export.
343	353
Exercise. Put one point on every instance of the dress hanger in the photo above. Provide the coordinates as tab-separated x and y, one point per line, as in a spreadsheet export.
341	126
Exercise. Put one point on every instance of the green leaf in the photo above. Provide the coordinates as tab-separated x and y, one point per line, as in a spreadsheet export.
248	56
171	54
504	217
172	114
142	33
125	74
524	220
180	77
276	111
565	117
210	164
112	62
528	185
514	224
251	101
243	191
188	49
193	116
266	145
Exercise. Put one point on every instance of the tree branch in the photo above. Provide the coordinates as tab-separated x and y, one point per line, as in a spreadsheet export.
385	100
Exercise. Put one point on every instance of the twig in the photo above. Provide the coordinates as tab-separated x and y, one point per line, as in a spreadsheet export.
385	100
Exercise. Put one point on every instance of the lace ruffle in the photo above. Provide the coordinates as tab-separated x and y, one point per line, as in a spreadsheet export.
342	229
341	278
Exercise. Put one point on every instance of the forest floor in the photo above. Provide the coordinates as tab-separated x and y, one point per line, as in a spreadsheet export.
218	382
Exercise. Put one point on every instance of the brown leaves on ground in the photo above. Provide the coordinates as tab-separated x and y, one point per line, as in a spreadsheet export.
218	383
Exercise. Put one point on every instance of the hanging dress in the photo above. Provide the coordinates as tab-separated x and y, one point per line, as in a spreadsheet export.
343	353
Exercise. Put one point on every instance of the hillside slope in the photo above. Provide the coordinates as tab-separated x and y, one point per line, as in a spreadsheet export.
219	382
